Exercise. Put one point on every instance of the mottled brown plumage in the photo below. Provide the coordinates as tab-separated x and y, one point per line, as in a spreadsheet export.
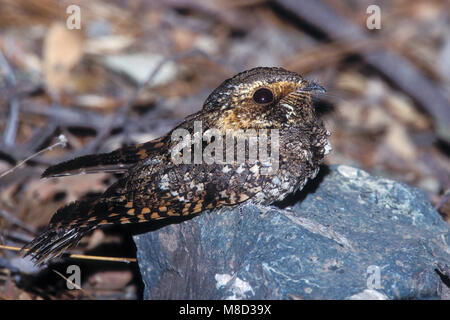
154	187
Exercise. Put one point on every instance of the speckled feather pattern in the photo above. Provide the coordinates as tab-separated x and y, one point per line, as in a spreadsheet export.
153	187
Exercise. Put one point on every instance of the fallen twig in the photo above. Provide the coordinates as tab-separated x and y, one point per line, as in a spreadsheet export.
16	221
444	200
9	136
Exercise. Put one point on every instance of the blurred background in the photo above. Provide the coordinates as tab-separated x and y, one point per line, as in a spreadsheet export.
111	73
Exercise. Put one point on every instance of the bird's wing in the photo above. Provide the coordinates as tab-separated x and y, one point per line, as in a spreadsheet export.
119	160
148	192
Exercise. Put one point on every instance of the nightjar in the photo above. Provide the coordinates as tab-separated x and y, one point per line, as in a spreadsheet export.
170	176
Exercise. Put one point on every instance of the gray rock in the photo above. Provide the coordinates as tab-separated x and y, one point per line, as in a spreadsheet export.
349	236
140	66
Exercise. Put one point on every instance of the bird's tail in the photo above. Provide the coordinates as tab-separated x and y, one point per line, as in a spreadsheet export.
53	242
65	230
70	223
119	160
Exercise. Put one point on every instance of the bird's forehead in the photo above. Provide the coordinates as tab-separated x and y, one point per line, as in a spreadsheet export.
279	87
260	76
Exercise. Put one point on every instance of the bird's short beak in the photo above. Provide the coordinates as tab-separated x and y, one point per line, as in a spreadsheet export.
311	86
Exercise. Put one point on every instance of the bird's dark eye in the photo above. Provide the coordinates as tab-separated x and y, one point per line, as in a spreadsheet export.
263	96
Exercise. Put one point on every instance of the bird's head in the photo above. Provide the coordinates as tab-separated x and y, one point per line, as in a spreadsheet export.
263	98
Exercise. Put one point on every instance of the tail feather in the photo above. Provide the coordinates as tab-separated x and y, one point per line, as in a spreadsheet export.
53	242
67	226
72	222
112	162
119	160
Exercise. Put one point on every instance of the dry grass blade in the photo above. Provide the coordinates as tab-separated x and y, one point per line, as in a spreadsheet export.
80	256
61	142
73	283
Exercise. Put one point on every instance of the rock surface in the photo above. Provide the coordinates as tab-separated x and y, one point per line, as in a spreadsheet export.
349	235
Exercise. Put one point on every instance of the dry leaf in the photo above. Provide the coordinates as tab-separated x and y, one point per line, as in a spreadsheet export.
110	280
399	142
352	82
73	186
43	197
62	51
404	110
